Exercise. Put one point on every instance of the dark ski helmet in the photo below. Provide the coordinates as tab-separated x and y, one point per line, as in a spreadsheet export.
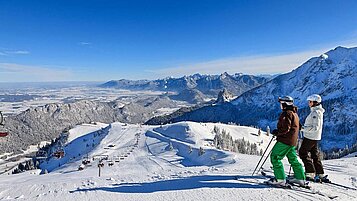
288	100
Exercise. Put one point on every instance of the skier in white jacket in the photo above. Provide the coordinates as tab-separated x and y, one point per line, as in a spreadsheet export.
312	131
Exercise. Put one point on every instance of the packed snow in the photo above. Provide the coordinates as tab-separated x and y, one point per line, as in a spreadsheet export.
163	163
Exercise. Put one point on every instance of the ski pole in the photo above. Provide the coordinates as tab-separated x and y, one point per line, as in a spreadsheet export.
265	160
289	171
263	155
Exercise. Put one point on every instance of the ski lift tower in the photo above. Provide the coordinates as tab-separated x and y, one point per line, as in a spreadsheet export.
3	132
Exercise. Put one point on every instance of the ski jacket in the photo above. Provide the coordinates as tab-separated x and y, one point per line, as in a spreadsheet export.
313	123
288	127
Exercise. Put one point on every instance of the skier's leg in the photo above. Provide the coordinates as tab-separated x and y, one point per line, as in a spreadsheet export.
278	152
295	164
315	155
304	155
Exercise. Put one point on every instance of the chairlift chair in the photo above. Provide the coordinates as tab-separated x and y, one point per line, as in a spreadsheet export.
41	154
59	153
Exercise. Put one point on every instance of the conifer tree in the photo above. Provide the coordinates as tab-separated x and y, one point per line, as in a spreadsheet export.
201	151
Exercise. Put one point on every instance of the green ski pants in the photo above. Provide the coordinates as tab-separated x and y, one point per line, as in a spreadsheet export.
279	151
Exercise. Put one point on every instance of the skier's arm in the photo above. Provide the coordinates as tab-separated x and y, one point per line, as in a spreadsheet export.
315	124
286	125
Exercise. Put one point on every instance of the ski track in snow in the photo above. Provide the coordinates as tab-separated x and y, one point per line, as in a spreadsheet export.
149	170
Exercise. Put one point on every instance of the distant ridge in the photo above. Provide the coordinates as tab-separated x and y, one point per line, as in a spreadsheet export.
209	85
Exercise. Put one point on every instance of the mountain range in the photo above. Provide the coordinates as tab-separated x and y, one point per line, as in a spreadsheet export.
333	75
209	85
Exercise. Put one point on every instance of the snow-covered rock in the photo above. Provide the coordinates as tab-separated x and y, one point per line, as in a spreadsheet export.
224	96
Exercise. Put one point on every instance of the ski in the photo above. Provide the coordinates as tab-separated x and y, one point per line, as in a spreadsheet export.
292	187
293	184
327	181
340	185
296	187
314	190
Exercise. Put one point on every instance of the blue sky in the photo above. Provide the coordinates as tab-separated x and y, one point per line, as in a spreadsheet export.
104	40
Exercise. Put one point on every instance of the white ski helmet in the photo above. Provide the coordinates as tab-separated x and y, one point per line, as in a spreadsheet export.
288	100
315	97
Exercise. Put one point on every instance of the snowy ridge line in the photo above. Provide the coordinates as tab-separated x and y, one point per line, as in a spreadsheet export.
190	159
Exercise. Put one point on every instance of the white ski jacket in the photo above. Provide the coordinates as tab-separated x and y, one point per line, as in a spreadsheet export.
313	123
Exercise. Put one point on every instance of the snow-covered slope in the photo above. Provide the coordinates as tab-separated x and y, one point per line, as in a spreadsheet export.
146	168
90	140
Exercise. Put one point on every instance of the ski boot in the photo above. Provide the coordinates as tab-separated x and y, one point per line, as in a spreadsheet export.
320	178
310	176
276	182
299	182
317	179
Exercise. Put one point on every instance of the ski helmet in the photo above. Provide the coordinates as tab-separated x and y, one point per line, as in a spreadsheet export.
315	97
288	100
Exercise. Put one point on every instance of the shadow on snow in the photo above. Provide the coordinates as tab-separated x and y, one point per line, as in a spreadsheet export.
194	182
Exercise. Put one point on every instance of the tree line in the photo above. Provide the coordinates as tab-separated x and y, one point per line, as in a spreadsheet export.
224	141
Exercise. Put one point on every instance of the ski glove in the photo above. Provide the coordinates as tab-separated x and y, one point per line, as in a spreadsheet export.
302	129
274	132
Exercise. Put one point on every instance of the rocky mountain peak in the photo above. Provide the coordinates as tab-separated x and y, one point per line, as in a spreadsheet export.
224	96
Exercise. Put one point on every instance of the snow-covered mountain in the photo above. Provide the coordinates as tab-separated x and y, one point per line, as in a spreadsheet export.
193	96
207	84
333	75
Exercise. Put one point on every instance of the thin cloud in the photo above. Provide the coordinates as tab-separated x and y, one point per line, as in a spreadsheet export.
10	72
85	43
18	52
256	64
14	52
259	64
